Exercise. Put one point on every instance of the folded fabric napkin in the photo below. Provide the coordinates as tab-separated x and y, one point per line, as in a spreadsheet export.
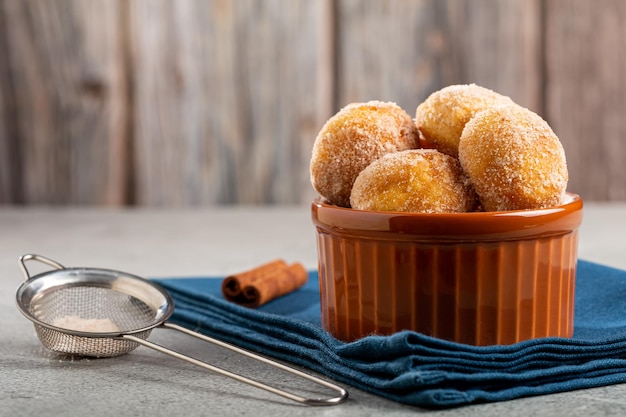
415	369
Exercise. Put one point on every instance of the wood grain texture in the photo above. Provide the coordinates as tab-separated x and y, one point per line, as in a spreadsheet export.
586	92
10	167
227	99
404	50
64	104
498	44
161	103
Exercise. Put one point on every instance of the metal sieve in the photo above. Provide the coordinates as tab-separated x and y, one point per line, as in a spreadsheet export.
133	305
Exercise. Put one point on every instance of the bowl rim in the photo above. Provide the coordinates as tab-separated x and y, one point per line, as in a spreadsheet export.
484	226
570	199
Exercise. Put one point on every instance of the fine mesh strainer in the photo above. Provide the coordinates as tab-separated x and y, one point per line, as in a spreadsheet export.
104	313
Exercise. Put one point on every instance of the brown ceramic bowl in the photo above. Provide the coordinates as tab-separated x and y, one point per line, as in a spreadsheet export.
477	278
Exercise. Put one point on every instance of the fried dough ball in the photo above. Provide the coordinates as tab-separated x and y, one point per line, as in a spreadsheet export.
350	140
421	180
443	115
514	159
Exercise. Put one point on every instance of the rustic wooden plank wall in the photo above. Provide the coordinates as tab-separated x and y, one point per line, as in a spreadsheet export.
585	92
161	103
62	102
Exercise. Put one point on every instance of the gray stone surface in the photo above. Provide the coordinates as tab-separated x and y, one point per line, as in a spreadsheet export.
159	243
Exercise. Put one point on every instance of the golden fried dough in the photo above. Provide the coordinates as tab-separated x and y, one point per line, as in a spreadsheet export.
514	159
354	137
443	115
422	180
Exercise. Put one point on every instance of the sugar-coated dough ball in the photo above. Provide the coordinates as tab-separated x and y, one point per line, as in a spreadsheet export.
443	115
514	159
354	137
422	180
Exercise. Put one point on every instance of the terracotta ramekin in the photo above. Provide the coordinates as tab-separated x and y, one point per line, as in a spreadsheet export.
479	278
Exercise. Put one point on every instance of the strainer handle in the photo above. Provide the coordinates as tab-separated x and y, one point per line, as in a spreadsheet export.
342	393
42	259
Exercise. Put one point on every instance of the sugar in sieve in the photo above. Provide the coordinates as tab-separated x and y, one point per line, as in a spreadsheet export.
116	312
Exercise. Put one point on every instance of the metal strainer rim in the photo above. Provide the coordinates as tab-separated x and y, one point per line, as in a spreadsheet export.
86	277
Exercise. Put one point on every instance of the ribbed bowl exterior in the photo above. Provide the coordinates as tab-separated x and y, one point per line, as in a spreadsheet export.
385	273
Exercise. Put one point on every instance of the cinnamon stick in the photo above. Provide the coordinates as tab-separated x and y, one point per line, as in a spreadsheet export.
264	283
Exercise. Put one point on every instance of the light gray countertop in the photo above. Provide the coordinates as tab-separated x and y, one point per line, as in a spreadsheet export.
207	242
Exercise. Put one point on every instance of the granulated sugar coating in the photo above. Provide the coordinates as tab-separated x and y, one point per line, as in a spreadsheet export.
354	137
443	115
86	325
514	159
423	180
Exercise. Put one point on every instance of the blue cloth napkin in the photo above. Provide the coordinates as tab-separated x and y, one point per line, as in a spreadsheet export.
415	369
